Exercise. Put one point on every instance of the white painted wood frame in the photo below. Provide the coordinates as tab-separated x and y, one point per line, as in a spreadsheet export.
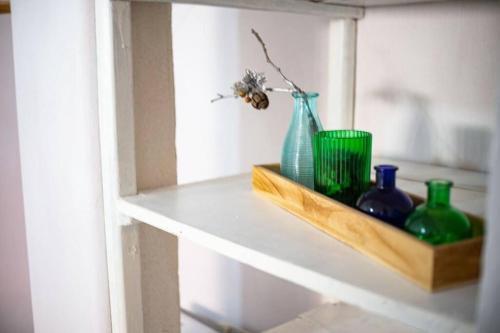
137	129
341	73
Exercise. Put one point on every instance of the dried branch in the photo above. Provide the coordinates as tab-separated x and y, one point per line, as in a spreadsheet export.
254	83
270	89
270	62
282	90
287	80
220	96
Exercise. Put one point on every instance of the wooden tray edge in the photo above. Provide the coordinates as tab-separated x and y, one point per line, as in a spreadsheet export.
427	253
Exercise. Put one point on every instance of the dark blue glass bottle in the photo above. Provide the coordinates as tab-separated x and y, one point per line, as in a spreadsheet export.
385	201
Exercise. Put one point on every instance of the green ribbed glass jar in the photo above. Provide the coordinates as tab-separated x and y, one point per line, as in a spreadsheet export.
436	221
342	161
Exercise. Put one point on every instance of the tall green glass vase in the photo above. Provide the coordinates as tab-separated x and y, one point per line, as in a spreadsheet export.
297	153
436	221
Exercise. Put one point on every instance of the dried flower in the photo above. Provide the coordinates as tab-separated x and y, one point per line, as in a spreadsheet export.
240	89
254	80
252	89
251	83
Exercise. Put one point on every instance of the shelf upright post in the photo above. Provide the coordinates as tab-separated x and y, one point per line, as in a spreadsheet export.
137	122
341	73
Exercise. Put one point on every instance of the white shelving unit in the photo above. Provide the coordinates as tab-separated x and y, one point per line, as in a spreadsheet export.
145	211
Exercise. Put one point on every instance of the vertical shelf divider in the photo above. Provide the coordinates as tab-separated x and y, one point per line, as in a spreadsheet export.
137	124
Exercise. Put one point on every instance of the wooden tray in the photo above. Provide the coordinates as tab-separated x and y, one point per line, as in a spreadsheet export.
431	267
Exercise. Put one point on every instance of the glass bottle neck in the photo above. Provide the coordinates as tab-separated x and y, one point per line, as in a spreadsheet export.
385	176
438	193
307	106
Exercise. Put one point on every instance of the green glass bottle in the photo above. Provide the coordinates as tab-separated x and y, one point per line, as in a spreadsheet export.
436	221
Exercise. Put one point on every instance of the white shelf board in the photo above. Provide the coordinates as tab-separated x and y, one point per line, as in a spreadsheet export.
330	8
462	179
225	215
292	6
191	325
342	318
378	3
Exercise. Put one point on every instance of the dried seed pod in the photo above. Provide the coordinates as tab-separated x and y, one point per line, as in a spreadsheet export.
260	100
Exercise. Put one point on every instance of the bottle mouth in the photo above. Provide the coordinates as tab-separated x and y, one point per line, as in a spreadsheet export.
439	183
438	192
310	94
385	167
344	135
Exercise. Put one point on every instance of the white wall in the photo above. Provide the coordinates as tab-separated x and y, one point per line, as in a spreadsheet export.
56	93
212	47
427	80
15	298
